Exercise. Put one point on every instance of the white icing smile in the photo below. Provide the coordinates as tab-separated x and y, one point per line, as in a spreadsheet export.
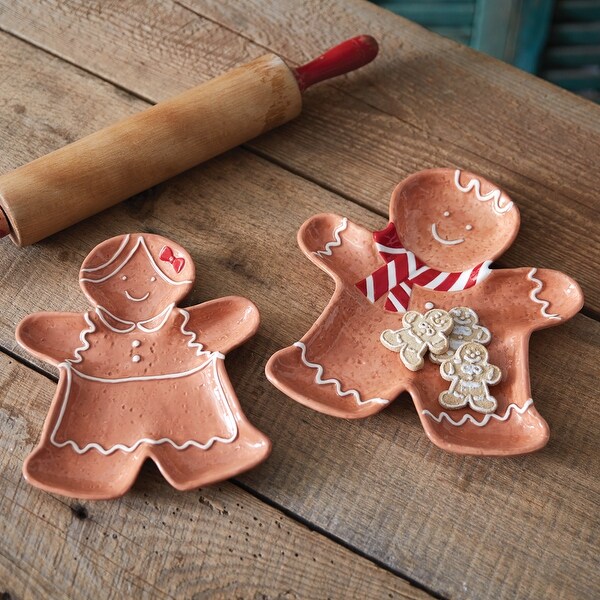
134	299
437	238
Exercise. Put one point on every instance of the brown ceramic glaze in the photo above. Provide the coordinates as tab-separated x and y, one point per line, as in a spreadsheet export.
453	222
140	377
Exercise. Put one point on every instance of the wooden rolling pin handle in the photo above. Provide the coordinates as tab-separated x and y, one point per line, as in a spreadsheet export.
343	58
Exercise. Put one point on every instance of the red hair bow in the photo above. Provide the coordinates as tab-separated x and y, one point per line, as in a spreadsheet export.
167	255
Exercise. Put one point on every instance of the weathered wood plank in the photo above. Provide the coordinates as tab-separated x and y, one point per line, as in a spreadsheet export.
465	527
218	543
412	109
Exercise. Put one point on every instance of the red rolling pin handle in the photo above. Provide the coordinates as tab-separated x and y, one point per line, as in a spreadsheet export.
343	58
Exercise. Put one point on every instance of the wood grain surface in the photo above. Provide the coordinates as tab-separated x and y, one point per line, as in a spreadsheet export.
426	101
461	527
218	542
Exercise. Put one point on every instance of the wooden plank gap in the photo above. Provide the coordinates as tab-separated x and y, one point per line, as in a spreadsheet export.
334	538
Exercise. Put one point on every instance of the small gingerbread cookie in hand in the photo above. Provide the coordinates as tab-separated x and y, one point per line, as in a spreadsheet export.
466	329
470	374
419	334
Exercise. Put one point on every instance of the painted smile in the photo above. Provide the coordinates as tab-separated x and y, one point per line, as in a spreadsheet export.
437	238
134	299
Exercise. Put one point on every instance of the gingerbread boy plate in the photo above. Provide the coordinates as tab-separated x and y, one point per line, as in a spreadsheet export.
417	308
141	378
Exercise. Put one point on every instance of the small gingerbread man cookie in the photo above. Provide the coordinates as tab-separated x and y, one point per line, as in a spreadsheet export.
419	334
466	329
470	374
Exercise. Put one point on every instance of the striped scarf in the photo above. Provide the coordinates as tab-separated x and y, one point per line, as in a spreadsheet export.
403	270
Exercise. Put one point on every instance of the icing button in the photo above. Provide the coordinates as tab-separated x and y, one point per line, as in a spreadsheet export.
135	343
136	358
429	305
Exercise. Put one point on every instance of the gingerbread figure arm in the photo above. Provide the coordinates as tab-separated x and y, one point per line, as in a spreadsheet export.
554	296
483	334
493	375
339	247
54	337
222	324
539	297
447	370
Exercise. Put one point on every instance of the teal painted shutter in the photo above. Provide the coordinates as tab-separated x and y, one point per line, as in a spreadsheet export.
572	57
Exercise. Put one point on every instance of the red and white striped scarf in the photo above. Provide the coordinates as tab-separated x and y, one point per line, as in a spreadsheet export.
403	270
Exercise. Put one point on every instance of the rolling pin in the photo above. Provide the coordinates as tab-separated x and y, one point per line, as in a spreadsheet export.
106	167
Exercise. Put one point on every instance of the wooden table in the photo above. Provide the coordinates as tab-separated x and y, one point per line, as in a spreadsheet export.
341	509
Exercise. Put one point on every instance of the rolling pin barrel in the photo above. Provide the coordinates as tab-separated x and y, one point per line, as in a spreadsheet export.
96	172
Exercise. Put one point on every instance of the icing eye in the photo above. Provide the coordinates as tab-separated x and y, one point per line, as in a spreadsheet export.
446	213
469	227
124	277
152	278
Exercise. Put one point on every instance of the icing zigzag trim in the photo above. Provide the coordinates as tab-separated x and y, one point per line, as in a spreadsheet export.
444	415
494	195
82	336
534	295
336	242
338	386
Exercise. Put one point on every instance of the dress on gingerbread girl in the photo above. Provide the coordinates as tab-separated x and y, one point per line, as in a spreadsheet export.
140	377
446	226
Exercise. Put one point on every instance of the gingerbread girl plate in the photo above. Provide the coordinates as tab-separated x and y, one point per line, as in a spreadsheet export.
417	308
141	378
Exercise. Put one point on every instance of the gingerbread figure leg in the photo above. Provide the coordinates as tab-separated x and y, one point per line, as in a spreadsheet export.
56	465
309	378
343	371
193	468
90	475
202	461
483	402
452	399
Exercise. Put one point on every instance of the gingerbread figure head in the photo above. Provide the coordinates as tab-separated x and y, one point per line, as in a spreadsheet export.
472	359
430	328
135	277
453	220
466	329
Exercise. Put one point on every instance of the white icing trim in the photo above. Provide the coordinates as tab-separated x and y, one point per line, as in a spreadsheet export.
195	369
486	419
130	297
132	325
534	295
494	195
192	343
140	242
437	238
101	309
113	258
337	240
231	423
82	336
335	382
